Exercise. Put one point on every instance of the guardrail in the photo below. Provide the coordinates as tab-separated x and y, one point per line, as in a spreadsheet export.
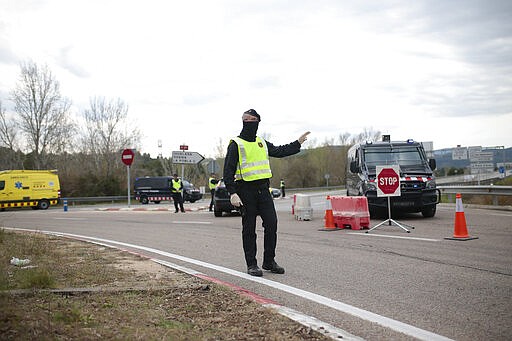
73	200
482	189
493	190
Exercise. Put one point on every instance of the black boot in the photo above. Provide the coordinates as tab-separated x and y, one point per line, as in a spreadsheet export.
273	267
254	270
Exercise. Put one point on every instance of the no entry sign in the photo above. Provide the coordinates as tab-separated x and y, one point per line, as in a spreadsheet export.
388	181
127	157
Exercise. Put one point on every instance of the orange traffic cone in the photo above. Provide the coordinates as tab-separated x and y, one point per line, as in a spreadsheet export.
329	217
460	230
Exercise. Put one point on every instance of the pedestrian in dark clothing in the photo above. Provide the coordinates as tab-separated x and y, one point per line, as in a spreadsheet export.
282	188
212	182
176	188
246	175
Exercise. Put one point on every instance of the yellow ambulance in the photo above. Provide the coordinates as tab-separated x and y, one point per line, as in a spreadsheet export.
29	188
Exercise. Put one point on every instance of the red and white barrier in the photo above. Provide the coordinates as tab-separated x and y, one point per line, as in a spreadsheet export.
350	212
302	207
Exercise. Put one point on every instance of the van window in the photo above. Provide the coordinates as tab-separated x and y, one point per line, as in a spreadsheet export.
2	185
403	156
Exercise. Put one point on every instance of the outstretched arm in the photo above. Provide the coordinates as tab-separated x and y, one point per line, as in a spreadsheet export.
286	149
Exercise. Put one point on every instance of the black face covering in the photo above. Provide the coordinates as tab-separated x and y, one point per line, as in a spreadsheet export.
249	130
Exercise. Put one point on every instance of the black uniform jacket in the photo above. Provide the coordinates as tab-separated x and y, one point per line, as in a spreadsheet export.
231	163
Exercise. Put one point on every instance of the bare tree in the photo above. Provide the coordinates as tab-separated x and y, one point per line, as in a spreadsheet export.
8	130
368	135
10	158
220	149
106	133
344	139
43	112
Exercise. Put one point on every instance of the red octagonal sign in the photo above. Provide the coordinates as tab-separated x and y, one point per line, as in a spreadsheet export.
127	157
388	181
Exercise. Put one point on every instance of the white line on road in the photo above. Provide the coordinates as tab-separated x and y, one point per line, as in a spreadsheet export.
69	218
397	237
398	326
192	222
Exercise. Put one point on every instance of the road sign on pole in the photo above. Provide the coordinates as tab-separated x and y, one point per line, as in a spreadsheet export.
388	185
183	157
127	157
388	181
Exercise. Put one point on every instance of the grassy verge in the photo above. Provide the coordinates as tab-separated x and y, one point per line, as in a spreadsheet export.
75	290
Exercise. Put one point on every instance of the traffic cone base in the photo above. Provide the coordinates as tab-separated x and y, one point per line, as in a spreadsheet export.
460	238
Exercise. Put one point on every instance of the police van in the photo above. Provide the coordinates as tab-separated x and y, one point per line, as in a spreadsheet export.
38	189
158	188
418	192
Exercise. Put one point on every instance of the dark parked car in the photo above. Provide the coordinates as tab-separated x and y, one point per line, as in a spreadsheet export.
191	193
221	202
276	192
157	189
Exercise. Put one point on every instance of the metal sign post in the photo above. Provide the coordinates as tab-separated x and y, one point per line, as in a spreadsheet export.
388	185
128	177
183	147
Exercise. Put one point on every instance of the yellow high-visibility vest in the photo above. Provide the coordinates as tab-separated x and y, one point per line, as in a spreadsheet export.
176	185
253	162
210	185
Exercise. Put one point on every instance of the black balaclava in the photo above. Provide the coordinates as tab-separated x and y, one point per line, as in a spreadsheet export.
250	129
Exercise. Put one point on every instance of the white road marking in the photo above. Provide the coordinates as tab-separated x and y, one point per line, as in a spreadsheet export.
69	218
396	237
509	215
192	222
395	325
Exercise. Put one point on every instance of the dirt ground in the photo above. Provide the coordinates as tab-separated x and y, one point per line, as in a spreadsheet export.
73	290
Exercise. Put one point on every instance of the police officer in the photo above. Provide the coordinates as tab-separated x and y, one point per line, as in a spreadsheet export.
246	175
282	188
212	182
176	188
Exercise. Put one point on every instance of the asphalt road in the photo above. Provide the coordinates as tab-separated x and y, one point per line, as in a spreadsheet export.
457	289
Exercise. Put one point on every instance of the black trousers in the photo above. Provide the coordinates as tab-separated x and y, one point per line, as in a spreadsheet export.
212	191
258	201
178	200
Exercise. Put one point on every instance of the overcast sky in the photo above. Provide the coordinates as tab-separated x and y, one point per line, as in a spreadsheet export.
436	71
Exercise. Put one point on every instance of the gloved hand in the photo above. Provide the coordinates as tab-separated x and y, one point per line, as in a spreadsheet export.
303	137
235	200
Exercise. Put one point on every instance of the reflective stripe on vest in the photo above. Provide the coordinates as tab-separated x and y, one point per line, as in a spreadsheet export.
253	162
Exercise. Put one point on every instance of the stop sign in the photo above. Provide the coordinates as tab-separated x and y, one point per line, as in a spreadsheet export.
388	181
127	157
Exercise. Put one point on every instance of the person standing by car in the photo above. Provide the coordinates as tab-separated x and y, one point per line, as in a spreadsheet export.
176	188
246	175
212	182
282	188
